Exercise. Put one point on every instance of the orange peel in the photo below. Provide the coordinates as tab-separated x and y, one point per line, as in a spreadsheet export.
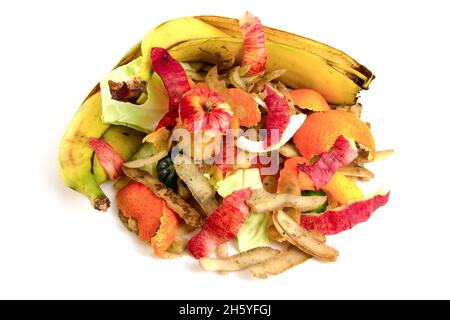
139	202
167	231
252	115
321	129
309	99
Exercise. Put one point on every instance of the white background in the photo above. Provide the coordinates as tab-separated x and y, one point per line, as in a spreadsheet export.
54	245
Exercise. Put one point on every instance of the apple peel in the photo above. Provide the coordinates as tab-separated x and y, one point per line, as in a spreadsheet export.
255	53
278	115
344	218
109	159
341	154
174	79
169	120
222	225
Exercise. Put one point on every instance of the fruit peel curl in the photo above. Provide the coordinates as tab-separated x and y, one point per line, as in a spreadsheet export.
222	225
139	202
167	231
255	53
109	159
278	115
341	154
344	218
175	81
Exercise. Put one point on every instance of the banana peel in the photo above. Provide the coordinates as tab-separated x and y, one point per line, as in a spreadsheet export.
305	70
75	154
358	73
172	32
310	64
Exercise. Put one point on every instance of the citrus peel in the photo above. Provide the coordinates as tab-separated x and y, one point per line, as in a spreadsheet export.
139	202
321	129
167	231
309	99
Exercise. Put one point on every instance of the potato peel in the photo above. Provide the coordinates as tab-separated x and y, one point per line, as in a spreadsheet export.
239	261
274	235
378	156
170	255
262	201
196	182
289	151
300	238
139	163
179	245
222	250
317	236
280	263
356	109
357	172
